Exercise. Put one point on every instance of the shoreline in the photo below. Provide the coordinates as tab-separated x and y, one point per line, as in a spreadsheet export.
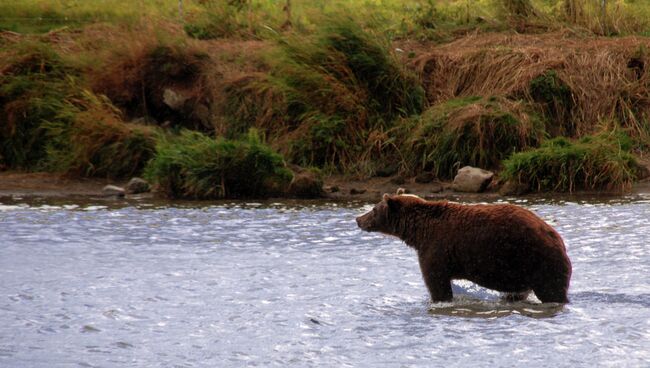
24	186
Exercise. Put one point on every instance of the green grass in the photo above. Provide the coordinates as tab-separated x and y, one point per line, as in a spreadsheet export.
556	101
193	165
592	163
424	19
35	83
470	131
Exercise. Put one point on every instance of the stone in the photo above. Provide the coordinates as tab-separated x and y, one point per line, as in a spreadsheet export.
114	190
425	177
137	186
306	184
472	180
173	99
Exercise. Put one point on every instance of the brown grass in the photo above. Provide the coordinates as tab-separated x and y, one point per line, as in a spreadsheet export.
596	70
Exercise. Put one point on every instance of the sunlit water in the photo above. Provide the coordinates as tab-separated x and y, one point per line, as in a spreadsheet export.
277	285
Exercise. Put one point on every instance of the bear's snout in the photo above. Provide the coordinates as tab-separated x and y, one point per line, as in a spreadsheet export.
362	222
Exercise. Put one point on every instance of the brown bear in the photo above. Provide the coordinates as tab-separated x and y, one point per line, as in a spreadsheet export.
501	246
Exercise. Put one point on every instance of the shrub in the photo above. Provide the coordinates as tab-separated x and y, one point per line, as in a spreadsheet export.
193	165
594	162
470	131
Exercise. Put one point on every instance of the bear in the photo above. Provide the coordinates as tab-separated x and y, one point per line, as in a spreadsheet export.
501	247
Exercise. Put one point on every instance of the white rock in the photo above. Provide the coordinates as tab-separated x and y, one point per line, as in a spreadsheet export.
472	180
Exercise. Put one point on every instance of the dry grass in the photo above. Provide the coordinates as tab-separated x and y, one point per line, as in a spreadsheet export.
597	71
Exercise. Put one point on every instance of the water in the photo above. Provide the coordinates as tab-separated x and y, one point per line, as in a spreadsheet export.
279	285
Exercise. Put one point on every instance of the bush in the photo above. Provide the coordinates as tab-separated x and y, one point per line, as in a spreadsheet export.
594	162
470	131
193	165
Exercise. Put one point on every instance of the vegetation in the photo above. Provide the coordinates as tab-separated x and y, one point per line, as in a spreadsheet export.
109	87
193	165
595	162
471	131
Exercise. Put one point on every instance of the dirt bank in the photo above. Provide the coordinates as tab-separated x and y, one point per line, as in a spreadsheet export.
49	185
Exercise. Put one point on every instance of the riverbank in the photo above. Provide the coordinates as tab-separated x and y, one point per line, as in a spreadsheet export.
210	115
336	188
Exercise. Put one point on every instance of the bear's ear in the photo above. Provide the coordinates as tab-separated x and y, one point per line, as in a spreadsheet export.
385	197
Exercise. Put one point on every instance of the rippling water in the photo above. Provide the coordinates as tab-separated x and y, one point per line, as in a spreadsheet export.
235	285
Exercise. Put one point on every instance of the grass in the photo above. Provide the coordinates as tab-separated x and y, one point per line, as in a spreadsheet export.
596	162
556	101
193	165
471	131
422	19
324	94
350	94
95	141
34	84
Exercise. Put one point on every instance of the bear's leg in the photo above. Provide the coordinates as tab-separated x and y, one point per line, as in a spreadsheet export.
552	291
437	280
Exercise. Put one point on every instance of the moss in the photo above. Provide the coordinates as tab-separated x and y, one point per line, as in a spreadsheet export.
471	131
193	165
594	162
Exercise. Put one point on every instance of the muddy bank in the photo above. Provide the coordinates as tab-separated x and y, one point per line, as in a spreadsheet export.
338	188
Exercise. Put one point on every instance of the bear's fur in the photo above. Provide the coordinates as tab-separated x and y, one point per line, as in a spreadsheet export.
501	247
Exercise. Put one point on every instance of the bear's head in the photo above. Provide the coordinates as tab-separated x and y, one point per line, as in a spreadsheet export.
385	215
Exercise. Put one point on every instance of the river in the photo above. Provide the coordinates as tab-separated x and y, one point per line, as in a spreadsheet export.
297	284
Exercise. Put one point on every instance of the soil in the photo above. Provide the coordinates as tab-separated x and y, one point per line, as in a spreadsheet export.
50	185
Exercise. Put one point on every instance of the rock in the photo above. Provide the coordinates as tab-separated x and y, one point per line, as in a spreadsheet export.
425	177
355	191
513	188
306	184
332	189
472	180
114	190
388	170
173	99
137	186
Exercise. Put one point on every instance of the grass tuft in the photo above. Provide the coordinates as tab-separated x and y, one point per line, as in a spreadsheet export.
595	162
193	165
471	131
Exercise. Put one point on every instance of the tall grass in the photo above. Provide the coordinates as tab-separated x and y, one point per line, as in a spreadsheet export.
470	131
437	20
193	165
592	163
34	87
325	94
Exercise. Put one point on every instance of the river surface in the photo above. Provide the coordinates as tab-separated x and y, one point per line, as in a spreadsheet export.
299	285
